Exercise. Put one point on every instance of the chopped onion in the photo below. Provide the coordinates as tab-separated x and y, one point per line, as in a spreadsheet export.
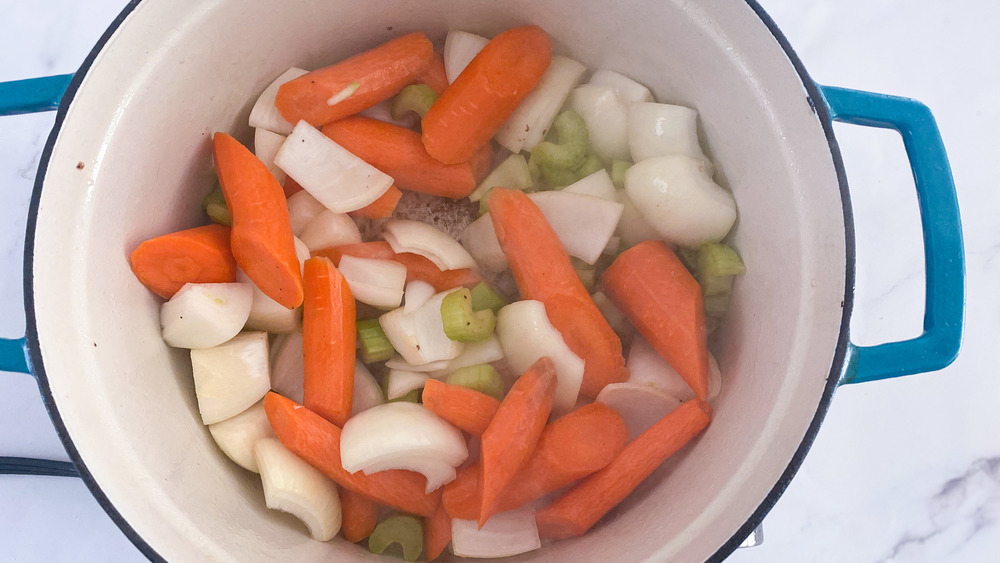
399	363
265	146
480	239
632	227
526	335
612	314
378	283
266	314
606	117
417	293
662	130
291	485
714	379
504	534
460	48
236	436
583	223
399	382
367	391
264	115
512	173
419	337
628	90
403	436
231	377
287	367
337	178
641	405
529	123
203	315
598	184
647	367
428	241
330	229
301	252
302	209
484	352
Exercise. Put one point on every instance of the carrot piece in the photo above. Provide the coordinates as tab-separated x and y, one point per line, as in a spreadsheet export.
465	408
663	301
200	255
359	515
261	239
437	533
435	75
381	207
468	113
374	76
543	272
460	497
513	433
572	514
400	153
317	441
291	187
417	267
329	332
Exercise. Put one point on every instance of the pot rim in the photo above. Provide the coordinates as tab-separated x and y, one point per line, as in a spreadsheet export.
816	102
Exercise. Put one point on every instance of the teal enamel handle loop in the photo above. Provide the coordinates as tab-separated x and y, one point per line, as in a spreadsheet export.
944	256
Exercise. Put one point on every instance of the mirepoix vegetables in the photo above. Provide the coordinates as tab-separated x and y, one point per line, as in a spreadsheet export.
405	531
463	324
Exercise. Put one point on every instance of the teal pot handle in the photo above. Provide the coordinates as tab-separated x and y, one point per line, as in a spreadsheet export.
944	256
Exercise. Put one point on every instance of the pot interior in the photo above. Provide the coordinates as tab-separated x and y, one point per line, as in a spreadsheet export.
176	71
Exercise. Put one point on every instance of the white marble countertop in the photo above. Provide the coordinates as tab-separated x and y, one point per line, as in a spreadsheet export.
902	470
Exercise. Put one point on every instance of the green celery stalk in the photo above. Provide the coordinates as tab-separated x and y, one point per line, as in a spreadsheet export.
485	297
571	148
589	165
461	323
618	168
405	531
417	98
374	344
513	173
215	206
480	377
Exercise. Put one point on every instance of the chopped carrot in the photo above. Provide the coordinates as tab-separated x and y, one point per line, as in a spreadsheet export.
573	513
381	207
663	301
329	332
437	533
400	153
359	515
513	433
417	267
471	110
543	272
261	239
361	81
435	75
200	255
291	187
465	408
317	441
460	497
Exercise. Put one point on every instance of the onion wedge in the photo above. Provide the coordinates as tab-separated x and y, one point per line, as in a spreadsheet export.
237	435
530	122
639	404
428	241
264	115
378	283
203	315
504	534
460	48
293	486
231	377
329	229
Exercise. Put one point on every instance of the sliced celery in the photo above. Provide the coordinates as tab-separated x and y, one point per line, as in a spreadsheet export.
215	206
484	206
717	305
405	531
571	148
558	176
512	173
374	344
480	377
689	257
716	259
410	397
461	323
618	168
717	264
589	165
417	98
485	297
535	171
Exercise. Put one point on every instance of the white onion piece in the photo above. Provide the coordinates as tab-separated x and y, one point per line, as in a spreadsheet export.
616	319
606	117
266	314
632	227
397	362
474	353
382	111
403	436
237	435
714	379
302	209
400	382
291	485
264	115
480	239
416	293
399	328
512	173
526	335
302	253
640	405
662	130
367	391
429	326
202	315
287	367
628	90
337	178
265	146
598	184
647	367
428	241
378	283
460	48
583	223
231	377
529	123
330	229
679	200
504	534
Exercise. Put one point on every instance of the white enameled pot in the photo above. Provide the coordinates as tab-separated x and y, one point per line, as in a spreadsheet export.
129	158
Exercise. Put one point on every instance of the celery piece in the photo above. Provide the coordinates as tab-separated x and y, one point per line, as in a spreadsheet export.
513	173
215	206
689	257
571	149
618	168
461	323
716	259
717	305
534	170
417	98
484	206
480	377
410	397
558	176
485	297
375	346
589	165
405	531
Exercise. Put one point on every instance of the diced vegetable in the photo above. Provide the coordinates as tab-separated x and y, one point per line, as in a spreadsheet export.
485	297
302	209
435	76
378	283
628	90
265	146
570	148
511	173
428	241
598	185
287	367
717	264
480	240
437	533
268	315
405	531
367	391
375	346
200	255
632	227
614	316
231	377
400	382
606	116
462	406
382	111
618	169
237	435
460	48
382	207
505	534
480	377
530	122
416	293
292	485
463	324
417	98
204	315
417	267
264	115
214	204
473	353
662	130
583	223
640	405
397	362
420	337
359	515
328	341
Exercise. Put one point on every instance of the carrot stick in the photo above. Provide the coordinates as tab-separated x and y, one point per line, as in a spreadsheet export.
460	497
317	441
437	533
572	514
400	153
381	207
513	433
359	515
365	79
663	301
200	255
417	267
465	408
543	272
435	75
329	332
261	240
468	113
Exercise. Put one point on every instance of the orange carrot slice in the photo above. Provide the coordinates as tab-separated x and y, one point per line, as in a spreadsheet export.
663	301
435	75
471	110
359	515
573	513
329	333
437	533
417	267
200	255
261	239
465	408
381	207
